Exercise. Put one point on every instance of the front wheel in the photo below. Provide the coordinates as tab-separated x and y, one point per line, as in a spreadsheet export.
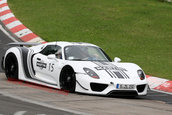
68	79
11	67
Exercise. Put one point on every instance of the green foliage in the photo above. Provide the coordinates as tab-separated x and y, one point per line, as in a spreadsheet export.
138	31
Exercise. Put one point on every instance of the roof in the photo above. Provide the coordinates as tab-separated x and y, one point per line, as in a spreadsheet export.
63	43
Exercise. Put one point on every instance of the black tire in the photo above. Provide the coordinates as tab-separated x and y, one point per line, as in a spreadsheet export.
11	67
68	79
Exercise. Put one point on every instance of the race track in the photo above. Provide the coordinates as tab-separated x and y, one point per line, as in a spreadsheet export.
154	103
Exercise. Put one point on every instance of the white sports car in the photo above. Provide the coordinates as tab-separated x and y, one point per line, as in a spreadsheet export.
76	67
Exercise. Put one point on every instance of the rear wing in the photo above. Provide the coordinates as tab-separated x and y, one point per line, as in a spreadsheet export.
21	44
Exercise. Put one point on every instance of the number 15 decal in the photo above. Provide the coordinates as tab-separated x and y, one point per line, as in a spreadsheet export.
51	67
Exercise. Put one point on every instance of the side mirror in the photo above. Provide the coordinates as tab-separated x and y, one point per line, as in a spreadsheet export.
117	59
51	56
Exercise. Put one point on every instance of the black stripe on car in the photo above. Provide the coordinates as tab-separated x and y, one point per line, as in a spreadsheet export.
24	53
112	70
81	85
126	76
24	58
119	75
101	68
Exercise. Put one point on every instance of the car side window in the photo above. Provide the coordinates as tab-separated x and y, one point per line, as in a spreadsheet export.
50	49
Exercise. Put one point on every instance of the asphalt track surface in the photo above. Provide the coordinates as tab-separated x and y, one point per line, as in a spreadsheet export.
3	40
154	102
10	106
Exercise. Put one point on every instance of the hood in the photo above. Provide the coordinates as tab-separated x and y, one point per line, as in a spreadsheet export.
109	70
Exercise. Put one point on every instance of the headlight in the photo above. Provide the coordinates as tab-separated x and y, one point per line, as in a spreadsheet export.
91	73
141	74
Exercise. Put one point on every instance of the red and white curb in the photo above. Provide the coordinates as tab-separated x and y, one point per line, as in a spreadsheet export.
159	84
26	35
15	26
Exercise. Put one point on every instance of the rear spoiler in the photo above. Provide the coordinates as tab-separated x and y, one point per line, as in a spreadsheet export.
21	44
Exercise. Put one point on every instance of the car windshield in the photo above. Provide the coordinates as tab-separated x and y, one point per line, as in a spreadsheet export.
85	53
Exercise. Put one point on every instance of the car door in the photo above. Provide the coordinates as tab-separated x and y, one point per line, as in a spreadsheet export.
45	64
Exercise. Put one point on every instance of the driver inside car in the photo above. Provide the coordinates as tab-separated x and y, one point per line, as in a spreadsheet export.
59	54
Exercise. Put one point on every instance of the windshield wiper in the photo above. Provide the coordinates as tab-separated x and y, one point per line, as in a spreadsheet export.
76	59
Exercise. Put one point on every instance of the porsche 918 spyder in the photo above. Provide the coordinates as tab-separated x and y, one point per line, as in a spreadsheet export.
76	67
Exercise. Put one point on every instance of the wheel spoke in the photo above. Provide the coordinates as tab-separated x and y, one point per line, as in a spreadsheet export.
68	80
11	66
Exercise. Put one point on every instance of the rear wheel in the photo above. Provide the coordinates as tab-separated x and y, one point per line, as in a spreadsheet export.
11	67
68	79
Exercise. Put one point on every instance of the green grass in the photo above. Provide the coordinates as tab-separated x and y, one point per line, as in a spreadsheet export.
138	31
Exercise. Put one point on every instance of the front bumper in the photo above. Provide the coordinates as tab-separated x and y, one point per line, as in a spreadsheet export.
88	85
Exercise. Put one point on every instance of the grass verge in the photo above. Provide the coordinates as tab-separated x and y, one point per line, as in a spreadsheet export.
138	31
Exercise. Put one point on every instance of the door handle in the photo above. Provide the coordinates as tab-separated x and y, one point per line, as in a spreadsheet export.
38	58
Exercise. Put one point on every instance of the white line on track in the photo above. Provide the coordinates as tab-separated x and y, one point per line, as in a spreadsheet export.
42	104
20	113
